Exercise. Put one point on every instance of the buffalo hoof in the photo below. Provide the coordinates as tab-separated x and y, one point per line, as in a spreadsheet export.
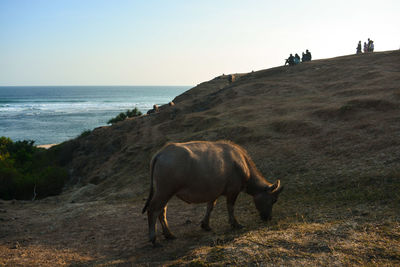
205	227
156	244
170	236
266	219
237	226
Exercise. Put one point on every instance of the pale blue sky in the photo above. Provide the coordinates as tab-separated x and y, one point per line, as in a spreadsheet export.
177	42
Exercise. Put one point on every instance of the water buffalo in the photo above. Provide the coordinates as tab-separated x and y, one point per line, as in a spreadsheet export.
199	172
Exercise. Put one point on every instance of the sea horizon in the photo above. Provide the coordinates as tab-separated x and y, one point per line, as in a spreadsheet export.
53	114
61	85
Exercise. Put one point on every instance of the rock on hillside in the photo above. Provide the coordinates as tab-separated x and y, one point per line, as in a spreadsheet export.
322	120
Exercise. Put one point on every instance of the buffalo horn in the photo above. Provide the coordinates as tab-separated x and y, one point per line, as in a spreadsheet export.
276	186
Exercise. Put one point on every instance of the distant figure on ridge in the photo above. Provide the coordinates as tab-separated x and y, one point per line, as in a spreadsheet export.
371	47
154	110
308	54
296	59
290	60
231	78
365	47
359	48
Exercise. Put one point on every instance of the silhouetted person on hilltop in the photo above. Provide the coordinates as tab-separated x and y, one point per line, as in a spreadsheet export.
290	60
359	48
365	47
154	110
296	59
308	55
230	78
371	46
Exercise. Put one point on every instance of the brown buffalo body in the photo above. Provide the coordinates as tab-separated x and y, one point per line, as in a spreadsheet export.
199	172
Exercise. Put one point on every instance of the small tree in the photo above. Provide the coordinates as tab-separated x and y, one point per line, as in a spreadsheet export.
123	115
133	113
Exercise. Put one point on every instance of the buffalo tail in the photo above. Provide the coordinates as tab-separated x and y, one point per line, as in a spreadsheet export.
153	163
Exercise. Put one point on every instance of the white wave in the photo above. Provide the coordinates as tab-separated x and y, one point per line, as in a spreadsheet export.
68	108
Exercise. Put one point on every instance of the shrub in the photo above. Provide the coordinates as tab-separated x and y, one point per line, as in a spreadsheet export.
50	181
133	113
85	133
26	172
8	178
128	114
120	117
4	148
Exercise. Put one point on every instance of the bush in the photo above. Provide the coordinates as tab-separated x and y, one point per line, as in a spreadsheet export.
85	133
128	114
8	178
26	172
50	181
133	113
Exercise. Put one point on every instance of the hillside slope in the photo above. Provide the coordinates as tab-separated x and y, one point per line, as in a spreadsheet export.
327	118
328	129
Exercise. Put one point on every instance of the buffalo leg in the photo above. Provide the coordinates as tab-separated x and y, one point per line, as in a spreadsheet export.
230	201
164	223
154	210
152	219
205	223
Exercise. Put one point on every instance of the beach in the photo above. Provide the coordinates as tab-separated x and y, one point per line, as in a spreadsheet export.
46	146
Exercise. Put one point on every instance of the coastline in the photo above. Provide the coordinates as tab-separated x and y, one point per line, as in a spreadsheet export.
46	146
35	112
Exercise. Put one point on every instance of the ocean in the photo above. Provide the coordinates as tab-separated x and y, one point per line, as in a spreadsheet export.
54	114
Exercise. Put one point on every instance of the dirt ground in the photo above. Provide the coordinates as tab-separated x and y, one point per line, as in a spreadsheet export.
50	233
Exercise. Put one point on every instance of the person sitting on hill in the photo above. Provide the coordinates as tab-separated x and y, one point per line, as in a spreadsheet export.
303	57
290	60
359	48
308	55
154	110
296	59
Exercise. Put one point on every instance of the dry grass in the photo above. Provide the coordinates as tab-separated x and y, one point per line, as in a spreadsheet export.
355	232
328	129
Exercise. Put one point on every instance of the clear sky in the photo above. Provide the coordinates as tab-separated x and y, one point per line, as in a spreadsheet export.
178	42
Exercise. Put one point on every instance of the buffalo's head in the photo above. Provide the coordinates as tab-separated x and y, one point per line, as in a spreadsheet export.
266	198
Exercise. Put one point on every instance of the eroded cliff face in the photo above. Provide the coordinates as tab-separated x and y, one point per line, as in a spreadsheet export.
317	118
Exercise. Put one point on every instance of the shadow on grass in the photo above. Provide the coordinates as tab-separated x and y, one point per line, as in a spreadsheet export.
340	206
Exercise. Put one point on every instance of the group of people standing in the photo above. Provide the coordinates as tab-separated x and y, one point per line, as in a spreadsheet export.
294	60
368	47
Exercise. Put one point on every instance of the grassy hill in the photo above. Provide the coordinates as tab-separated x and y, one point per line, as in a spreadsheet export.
328	129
